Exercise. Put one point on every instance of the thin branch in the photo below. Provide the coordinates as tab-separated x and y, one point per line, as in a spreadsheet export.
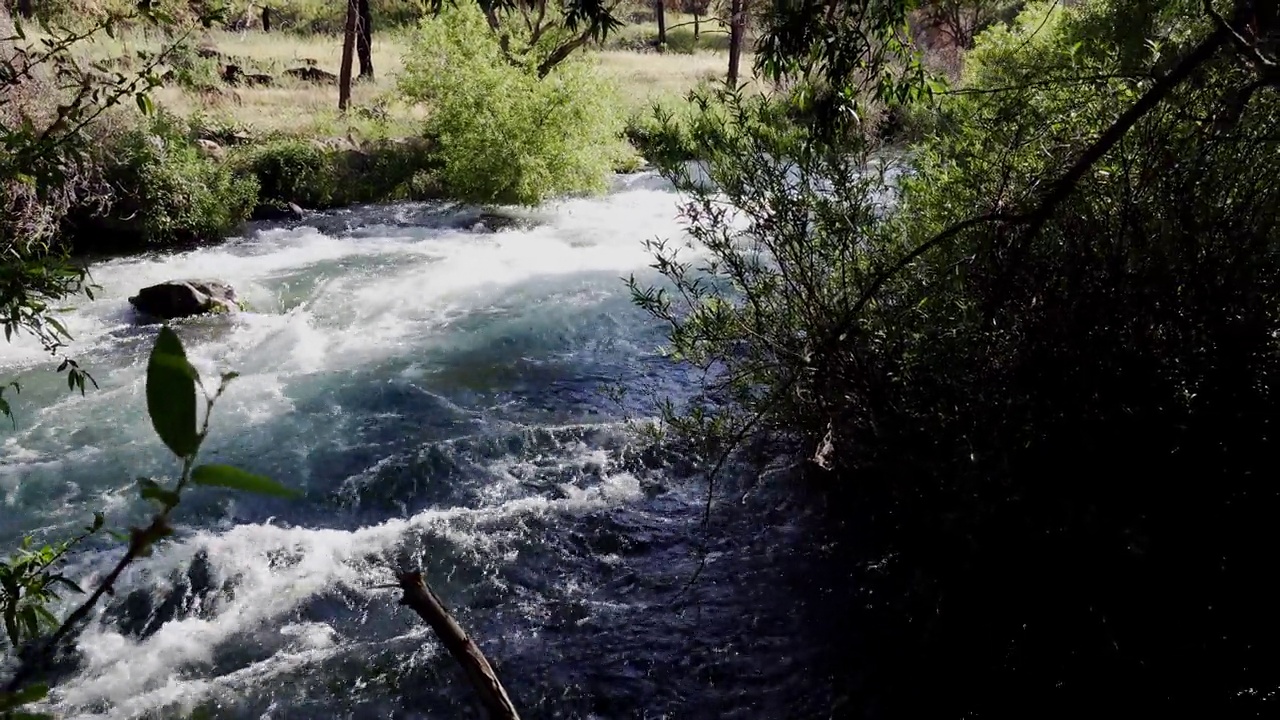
1247	48
1051	82
159	528
140	542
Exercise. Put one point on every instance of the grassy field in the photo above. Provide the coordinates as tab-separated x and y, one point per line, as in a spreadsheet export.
300	108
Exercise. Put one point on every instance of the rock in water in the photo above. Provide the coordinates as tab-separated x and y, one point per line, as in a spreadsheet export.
184	298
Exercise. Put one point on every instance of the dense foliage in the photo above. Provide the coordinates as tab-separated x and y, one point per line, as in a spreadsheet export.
169	190
507	133
317	176
1035	378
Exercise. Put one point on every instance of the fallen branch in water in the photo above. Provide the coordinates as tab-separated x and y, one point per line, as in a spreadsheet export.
419	597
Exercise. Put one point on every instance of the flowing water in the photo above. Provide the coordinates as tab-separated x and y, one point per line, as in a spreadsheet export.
433	379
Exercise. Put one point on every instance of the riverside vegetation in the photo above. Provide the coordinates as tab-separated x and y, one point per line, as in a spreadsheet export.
1026	367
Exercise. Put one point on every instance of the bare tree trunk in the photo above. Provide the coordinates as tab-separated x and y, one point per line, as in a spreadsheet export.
266	18
697	27
419	597
25	9
348	48
737	23
364	40
660	12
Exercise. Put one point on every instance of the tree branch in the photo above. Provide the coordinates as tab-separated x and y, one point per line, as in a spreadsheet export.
141	539
419	597
561	53
1247	48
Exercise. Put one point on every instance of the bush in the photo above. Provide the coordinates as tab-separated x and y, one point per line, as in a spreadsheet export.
167	191
1045	437
709	121
504	135
291	170
315	176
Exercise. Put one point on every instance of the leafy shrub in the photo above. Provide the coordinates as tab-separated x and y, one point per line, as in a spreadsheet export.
167	191
312	175
674	132
1043	413
291	170
504	134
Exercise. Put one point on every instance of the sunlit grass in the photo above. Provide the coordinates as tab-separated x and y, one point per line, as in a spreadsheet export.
300	108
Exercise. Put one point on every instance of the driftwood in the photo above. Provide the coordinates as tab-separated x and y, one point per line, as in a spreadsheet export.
419	597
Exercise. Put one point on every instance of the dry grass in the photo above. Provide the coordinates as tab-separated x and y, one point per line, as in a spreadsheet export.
301	108
648	76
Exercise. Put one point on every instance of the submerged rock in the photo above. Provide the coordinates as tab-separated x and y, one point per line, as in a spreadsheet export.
184	298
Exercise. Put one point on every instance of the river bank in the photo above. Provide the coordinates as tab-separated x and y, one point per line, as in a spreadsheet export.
245	126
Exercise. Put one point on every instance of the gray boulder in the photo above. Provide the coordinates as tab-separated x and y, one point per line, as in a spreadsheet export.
184	298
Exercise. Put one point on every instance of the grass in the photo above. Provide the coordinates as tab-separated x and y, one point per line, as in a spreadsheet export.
299	108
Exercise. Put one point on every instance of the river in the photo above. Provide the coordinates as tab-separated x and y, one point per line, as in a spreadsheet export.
433	378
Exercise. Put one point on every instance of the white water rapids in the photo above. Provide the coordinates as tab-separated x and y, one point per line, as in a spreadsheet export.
432	383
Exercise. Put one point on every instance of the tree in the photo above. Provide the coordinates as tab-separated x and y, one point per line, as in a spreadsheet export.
737	28
1002	380
348	47
506	134
364	39
660	14
696	8
960	20
550	30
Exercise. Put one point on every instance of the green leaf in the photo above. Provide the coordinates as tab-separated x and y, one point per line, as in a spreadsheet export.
237	479
68	582
171	394
58	327
145	104
29	694
151	490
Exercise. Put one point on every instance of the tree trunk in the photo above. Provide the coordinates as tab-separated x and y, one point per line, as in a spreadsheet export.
25	9
660	12
697	27
348	49
737	22
266	19
419	597
364	40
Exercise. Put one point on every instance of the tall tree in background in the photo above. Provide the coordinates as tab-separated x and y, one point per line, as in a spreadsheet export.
960	20
348	49
25	9
660	13
696	8
364	39
737	26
